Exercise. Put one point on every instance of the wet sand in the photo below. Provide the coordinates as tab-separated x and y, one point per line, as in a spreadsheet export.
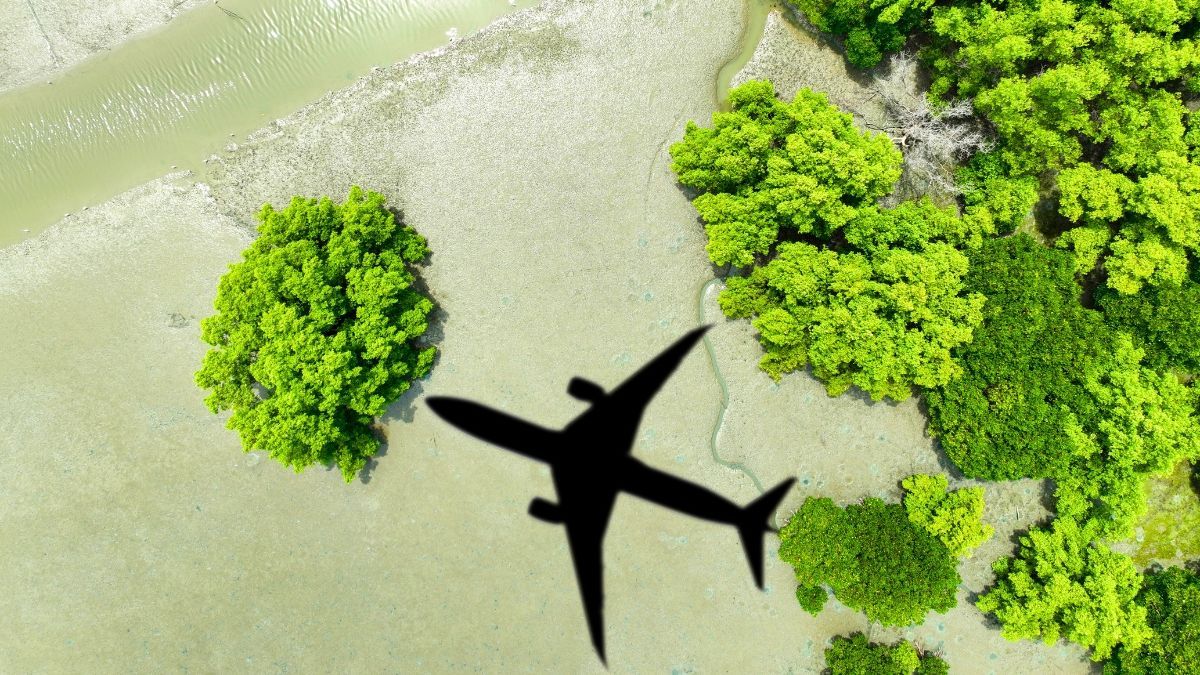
534	158
40	39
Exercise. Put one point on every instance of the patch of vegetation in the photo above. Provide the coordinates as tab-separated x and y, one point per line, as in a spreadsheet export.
955	517
1093	91
875	558
854	655
1063	584
1023	374
1163	320
1050	391
1172	601
1086	100
868	296
871	28
1170	527
318	330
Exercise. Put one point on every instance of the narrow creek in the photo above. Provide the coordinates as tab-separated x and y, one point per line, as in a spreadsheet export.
756	21
168	99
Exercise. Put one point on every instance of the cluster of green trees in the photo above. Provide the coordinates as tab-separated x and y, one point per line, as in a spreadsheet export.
1171	598
318	330
1062	583
1089	95
1021	377
955	517
868	296
893	562
1050	390
855	655
1082	383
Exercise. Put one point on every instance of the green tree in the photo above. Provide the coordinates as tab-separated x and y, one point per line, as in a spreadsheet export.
869	297
993	194
1163	320
954	517
872	557
1148	427
872	28
768	166
1172	601
1060	585
1023	373
882	322
855	655
317	330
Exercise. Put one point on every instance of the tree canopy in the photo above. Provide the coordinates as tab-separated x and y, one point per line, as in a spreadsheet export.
768	166
1147	427
1162	320
1088	95
1023	373
855	655
1062	584
318	330
955	517
1091	107
868	296
1172	601
873	558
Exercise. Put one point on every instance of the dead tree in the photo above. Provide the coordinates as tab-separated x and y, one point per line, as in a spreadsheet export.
933	141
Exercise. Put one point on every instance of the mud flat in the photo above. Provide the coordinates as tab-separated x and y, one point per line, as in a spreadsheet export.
39	39
534	157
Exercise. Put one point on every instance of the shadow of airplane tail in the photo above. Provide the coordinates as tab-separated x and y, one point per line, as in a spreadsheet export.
755	521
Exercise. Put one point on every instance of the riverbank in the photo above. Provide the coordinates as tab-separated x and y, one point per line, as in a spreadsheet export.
39	40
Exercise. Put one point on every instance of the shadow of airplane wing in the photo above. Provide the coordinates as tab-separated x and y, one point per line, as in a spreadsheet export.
636	391
496	427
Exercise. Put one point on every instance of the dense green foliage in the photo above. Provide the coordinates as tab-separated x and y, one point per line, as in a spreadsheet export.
1164	322
881	322
1148	426
1094	91
1172	601
954	517
1050	391
316	331
872	557
872	28
768	166
1023	373
1061	584
854	655
1086	101
870	297
1091	90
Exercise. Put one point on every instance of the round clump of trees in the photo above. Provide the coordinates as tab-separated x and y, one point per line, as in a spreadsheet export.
318	329
894	562
855	655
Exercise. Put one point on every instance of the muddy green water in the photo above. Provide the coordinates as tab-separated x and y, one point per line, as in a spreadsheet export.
176	95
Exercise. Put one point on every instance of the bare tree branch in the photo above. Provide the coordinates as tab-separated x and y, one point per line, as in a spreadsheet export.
933	142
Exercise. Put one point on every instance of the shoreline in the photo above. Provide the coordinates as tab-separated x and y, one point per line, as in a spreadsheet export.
31	35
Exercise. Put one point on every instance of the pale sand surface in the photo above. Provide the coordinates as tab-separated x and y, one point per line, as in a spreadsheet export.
534	158
41	38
